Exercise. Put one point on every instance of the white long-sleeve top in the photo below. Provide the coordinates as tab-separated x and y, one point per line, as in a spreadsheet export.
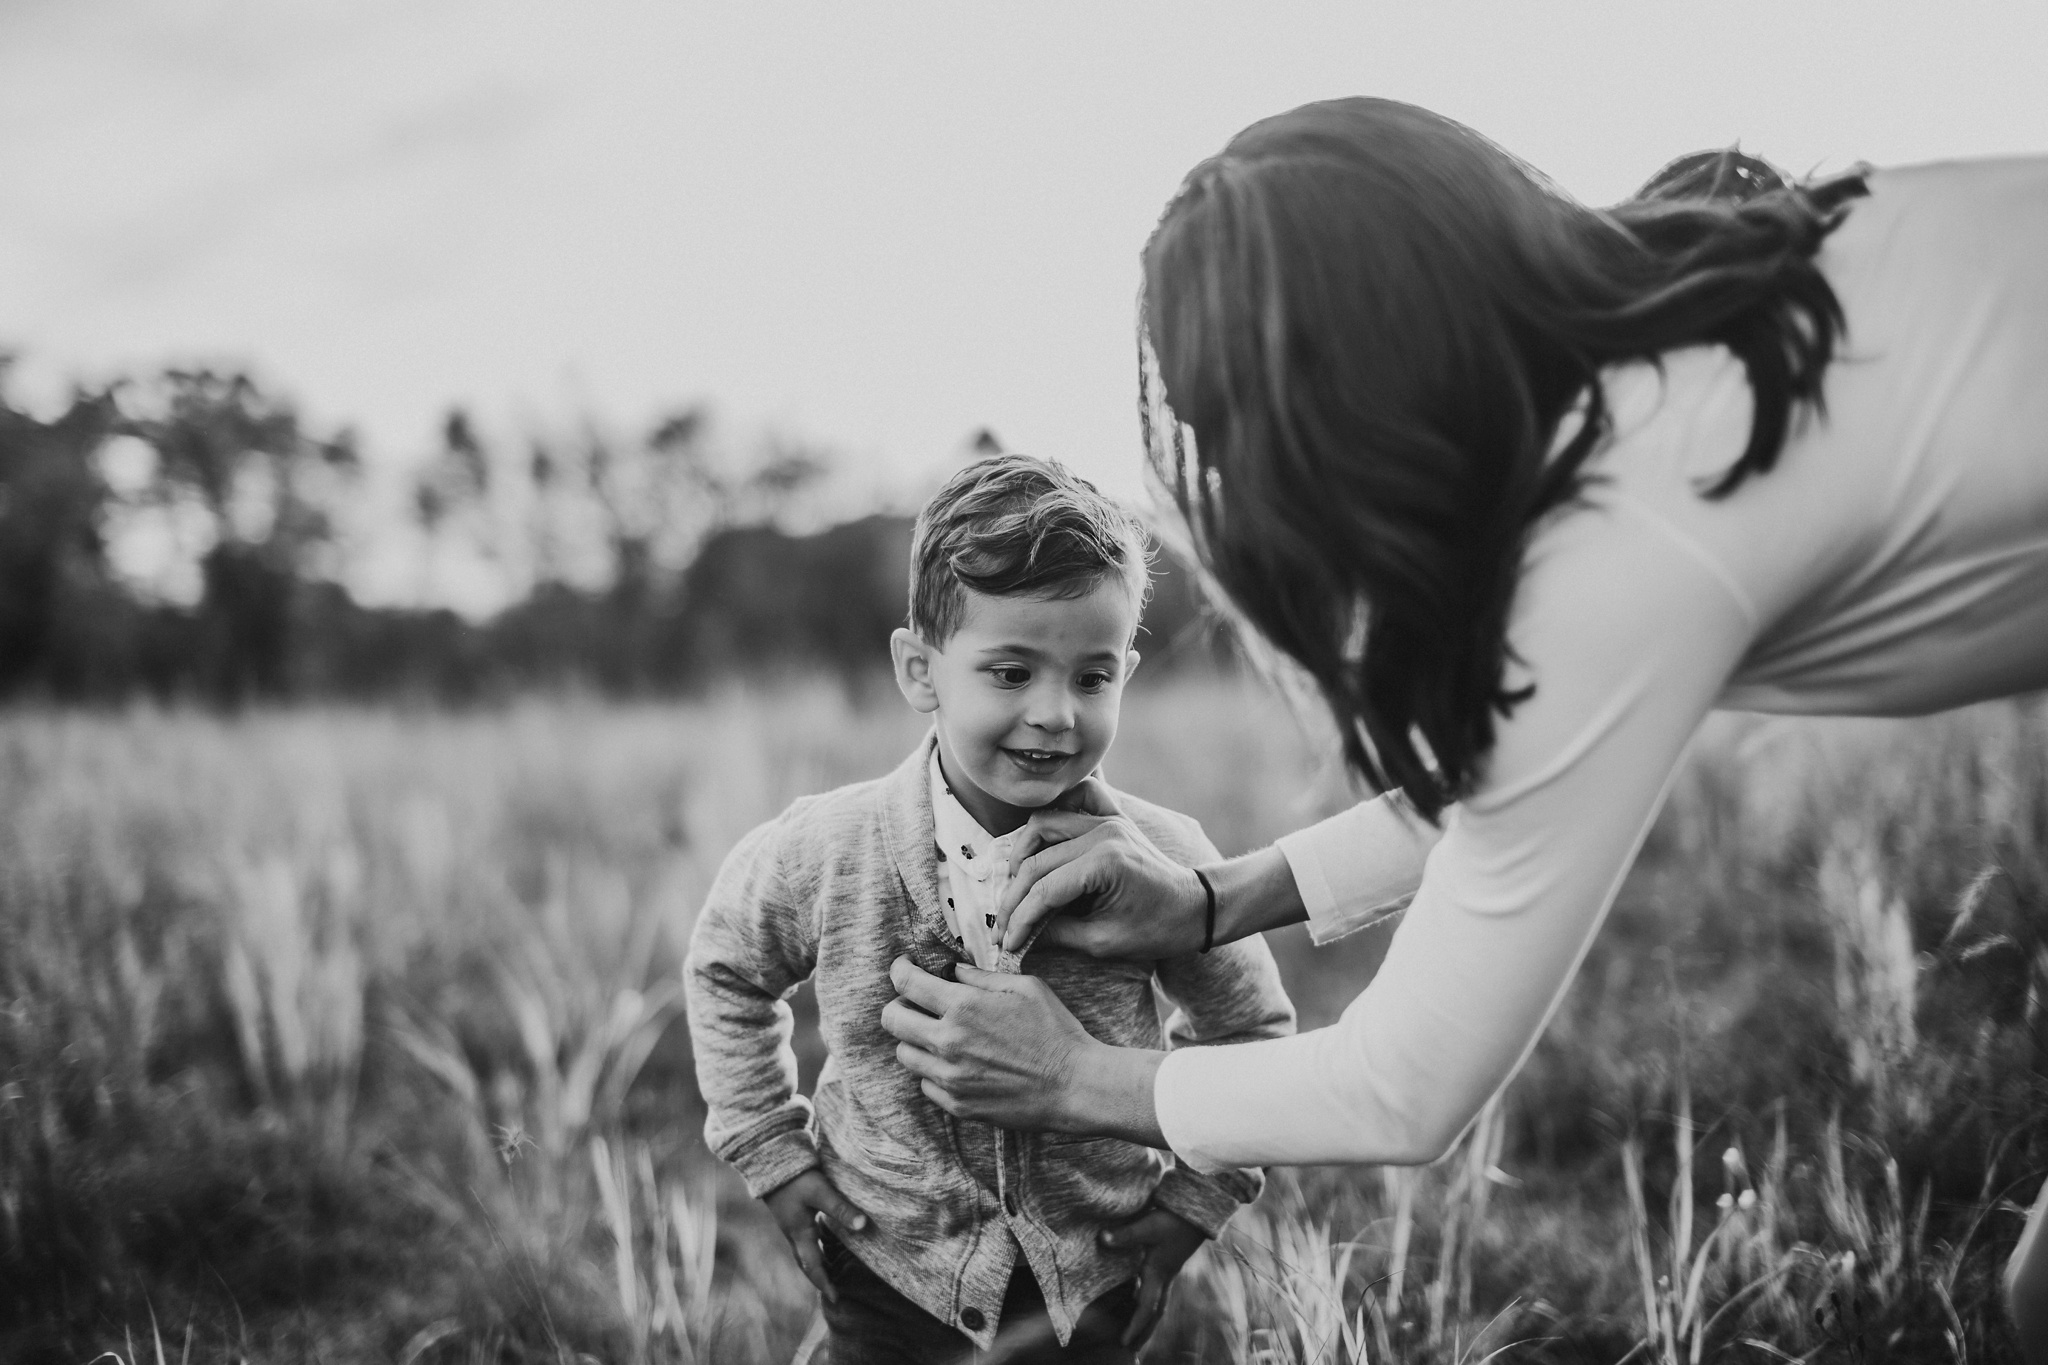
1894	562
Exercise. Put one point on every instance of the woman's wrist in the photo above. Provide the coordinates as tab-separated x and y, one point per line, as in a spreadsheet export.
1109	1094
1253	893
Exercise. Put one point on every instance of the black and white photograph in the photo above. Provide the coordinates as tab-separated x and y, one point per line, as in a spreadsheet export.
1164	682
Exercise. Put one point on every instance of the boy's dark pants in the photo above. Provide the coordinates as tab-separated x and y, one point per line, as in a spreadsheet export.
872	1324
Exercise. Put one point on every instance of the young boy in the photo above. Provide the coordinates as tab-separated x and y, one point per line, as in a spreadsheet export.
932	1237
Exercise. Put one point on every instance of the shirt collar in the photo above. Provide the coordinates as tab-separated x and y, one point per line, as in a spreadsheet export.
962	841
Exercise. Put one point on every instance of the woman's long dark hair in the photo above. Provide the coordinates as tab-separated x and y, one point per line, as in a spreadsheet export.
1373	321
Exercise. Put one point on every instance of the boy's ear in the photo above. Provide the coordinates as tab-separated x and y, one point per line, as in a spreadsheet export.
912	658
1131	659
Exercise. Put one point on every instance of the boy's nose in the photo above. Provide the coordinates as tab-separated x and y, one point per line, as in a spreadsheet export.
1052	710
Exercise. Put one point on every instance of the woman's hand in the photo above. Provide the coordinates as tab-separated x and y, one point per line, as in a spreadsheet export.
1139	903
1004	1050
1142	904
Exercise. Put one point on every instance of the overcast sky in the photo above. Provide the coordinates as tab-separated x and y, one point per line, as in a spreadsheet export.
877	226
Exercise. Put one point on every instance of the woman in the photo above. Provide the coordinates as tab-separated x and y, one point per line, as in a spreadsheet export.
1528	489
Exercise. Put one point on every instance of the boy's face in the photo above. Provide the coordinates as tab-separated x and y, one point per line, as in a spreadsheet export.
1025	694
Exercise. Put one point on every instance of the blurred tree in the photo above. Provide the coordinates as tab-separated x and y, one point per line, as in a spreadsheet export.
641	512
181	536
453	512
661	497
458	477
268	492
761	600
615	516
55	585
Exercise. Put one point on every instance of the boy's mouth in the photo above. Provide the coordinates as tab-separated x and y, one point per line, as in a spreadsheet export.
1038	762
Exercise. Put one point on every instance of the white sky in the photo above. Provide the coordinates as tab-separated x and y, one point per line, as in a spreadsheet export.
874	225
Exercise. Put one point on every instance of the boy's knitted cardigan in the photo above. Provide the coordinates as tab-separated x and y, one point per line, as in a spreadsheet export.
835	890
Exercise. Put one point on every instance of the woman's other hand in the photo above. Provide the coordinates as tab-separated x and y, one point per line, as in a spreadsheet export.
1141	904
1004	1050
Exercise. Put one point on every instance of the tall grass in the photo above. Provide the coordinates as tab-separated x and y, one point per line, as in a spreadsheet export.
355	1036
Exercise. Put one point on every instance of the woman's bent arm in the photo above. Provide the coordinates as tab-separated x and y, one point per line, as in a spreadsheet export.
1626	665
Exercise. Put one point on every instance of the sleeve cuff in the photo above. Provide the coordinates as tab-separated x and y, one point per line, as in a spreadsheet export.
773	1161
1359	865
1199	1199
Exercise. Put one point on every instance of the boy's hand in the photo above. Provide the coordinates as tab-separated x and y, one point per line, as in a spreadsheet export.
1164	1241
797	1206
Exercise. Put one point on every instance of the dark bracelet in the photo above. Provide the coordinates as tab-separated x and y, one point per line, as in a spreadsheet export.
1208	916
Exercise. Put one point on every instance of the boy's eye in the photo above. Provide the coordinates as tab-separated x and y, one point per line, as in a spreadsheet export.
1010	675
1095	681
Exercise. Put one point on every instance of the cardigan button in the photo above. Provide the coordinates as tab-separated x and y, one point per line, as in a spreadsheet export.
972	1319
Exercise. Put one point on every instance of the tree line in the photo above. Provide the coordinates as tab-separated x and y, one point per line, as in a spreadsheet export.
183	536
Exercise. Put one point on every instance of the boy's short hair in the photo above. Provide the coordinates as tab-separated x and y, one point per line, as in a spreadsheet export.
1016	526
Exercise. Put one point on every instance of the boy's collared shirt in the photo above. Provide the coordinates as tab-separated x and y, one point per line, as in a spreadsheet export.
835	890
977	867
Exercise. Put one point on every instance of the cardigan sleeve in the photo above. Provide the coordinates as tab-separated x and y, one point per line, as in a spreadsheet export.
1629	638
752	945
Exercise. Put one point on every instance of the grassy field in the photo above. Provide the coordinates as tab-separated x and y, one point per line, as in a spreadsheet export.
335	1036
